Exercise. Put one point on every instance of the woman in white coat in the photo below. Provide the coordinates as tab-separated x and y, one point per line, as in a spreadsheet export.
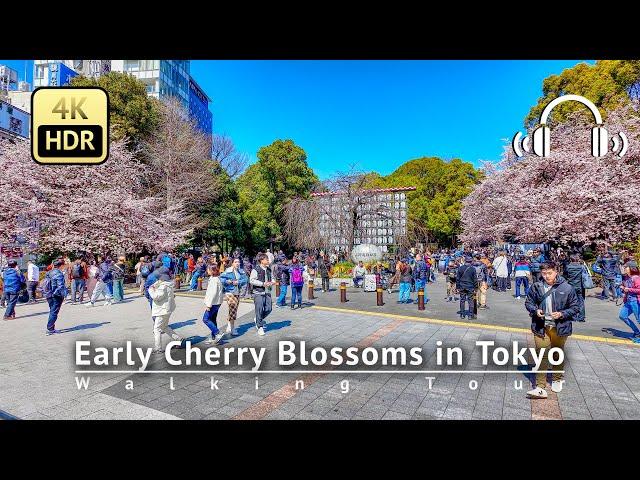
162	306
212	301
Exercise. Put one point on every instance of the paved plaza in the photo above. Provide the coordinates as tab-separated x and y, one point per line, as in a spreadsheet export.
38	379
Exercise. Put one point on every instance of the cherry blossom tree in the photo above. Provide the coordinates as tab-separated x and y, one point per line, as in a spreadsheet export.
568	197
81	208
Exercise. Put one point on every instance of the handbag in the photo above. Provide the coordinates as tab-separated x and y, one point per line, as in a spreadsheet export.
587	279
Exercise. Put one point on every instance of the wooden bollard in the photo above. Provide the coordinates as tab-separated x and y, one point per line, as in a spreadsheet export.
311	297
199	283
379	301
421	298
343	292
277	288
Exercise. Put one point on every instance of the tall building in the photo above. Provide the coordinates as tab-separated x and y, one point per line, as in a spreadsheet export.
380	219
162	79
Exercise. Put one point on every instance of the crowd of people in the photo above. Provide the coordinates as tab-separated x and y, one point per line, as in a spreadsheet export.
553	284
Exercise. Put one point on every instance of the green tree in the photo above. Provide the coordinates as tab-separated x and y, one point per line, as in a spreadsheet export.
281	173
608	84
434	207
132	113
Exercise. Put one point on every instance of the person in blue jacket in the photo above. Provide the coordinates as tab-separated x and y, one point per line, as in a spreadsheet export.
13	282
55	294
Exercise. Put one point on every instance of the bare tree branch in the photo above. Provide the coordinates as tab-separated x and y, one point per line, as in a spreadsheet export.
224	151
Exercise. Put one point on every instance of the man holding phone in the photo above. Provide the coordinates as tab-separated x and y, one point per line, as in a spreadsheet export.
552	304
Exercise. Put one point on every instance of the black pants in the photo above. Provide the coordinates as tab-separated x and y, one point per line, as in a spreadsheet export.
325	284
31	288
501	284
12	299
467	297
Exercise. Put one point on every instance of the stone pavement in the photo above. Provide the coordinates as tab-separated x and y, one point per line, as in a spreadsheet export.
37	379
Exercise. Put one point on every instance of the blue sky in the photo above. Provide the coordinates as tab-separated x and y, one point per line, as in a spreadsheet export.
378	114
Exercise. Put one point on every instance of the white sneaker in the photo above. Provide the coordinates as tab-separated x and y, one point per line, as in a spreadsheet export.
537	393
261	331
556	386
228	330
89	304
218	338
107	304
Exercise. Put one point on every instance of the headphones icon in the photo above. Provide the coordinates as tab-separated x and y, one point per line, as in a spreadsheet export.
542	134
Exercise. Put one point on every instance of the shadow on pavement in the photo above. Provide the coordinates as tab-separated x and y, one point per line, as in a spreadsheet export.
618	333
182	324
31	315
82	327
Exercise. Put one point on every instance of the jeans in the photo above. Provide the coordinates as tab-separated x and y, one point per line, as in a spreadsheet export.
467	298
357	281
404	295
210	318
551	339
262	304
55	303
110	287
118	290
629	307
282	298
194	280
422	284
609	285
296	292
12	299
31	288
77	285
524	281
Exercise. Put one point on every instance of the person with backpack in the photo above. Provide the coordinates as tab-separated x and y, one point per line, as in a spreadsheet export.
631	290
262	282
553	305
452	274
574	272
14	282
119	270
285	279
54	290
77	281
296	272
466	284
420	274
104	279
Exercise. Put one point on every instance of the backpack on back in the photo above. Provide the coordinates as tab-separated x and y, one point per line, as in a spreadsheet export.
145	270
296	276
46	284
77	271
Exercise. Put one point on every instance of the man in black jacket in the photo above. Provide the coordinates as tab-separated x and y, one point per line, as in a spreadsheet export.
466	284
552	304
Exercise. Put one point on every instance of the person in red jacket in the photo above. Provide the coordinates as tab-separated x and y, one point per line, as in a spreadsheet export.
630	305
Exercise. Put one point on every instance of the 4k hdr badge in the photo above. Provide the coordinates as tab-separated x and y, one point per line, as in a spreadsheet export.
69	125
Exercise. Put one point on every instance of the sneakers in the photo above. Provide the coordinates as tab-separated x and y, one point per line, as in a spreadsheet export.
228	330
556	386
261	331
52	332
107	303
537	393
215	340
89	304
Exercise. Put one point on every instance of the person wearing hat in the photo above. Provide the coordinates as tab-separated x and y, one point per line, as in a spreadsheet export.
466	284
631	289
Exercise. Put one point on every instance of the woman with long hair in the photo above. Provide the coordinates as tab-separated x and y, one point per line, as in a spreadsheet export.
212	301
92	280
404	295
